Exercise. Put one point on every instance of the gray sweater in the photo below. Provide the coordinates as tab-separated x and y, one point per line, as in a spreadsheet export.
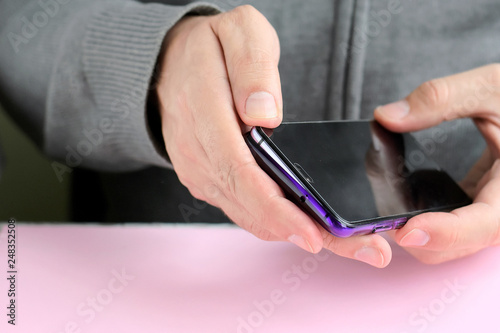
76	75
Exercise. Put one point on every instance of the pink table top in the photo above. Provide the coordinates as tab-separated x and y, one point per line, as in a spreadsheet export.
195	278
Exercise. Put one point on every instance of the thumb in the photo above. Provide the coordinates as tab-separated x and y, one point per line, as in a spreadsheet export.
475	93
251	51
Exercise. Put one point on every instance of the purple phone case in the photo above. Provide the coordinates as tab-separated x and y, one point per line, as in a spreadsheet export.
281	170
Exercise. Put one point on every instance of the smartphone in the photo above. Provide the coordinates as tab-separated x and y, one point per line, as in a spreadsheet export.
354	177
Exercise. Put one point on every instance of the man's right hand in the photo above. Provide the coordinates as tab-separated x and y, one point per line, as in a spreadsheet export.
219	76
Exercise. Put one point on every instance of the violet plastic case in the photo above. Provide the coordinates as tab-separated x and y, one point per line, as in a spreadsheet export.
354	177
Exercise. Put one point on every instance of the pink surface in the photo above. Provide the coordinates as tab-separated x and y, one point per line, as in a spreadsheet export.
222	279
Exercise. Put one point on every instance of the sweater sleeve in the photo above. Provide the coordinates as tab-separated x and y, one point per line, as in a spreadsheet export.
76	75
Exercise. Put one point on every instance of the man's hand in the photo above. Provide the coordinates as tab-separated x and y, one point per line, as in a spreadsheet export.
438	237
219	76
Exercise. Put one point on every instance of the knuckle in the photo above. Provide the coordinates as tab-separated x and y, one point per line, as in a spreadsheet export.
182	100
258	231
186	182
453	240
435	93
227	174
244	12
257	60
238	17
331	243
493	237
184	151
197	194
495	74
453	236
211	192
494	79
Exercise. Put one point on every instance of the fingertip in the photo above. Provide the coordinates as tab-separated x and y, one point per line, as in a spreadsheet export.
262	109
393	115
410	225
376	256
308	244
370	255
261	105
417	232
394	111
312	234
415	238
385	250
316	241
371	249
387	254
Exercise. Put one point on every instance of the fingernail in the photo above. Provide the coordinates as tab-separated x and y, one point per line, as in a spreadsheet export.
370	256
376	142
416	237
301	242
396	110
261	105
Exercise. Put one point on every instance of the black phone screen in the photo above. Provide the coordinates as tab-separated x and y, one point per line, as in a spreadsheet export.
363	171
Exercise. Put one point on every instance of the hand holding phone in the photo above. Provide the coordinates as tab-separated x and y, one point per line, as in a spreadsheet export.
354	177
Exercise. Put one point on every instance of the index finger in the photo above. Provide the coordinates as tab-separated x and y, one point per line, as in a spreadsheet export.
251	51
245	192
475	93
